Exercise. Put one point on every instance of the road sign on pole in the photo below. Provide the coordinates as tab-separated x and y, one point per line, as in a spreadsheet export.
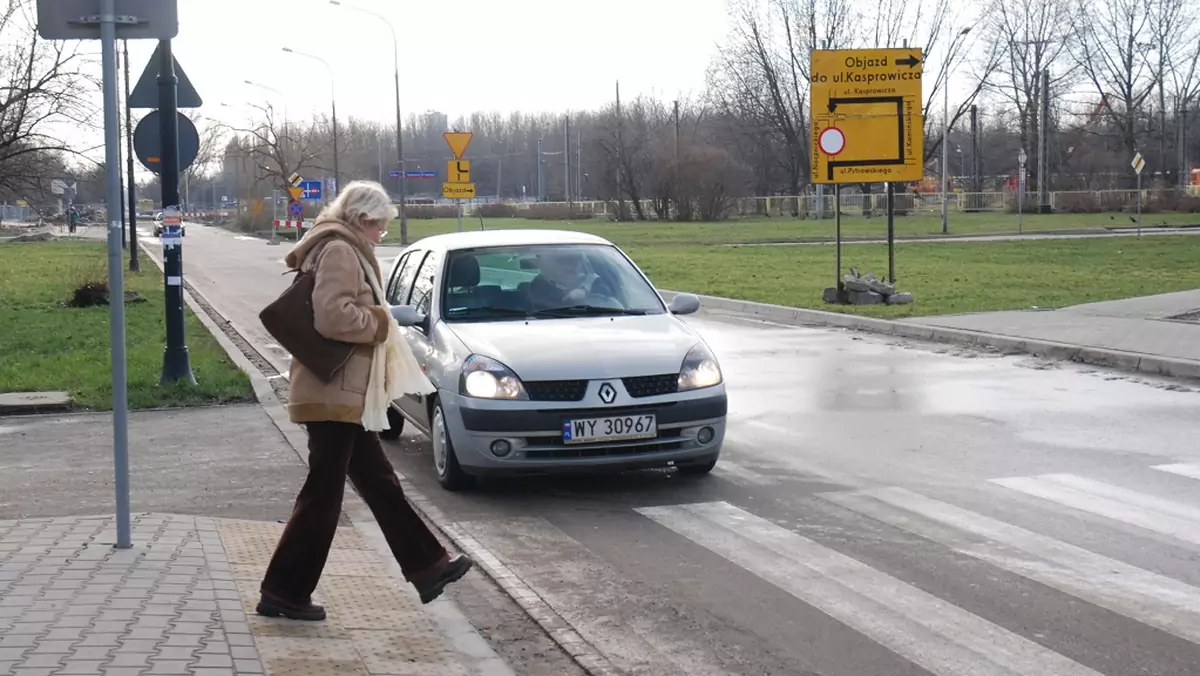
145	93
458	191
295	192
147	141
458	142
295	210
867	119
458	171
108	21
1138	163
310	190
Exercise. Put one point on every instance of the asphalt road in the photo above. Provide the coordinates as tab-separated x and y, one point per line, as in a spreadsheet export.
881	509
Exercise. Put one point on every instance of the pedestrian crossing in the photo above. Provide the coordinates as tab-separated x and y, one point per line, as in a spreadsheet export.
1023	595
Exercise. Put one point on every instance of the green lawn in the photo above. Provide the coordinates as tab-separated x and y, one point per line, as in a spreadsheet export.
48	347
759	229
943	277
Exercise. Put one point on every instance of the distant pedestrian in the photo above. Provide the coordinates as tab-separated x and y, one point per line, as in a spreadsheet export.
344	415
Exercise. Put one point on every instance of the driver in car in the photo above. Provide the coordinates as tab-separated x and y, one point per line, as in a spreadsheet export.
561	282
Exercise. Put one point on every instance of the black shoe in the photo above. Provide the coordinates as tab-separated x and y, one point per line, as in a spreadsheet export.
452	571
270	605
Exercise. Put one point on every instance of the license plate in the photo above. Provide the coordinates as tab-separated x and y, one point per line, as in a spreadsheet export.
615	428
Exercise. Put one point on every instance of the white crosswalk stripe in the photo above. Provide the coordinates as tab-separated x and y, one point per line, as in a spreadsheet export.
1135	593
1120	504
923	628
1190	471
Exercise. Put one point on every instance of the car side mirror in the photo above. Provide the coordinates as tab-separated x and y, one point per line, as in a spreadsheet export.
684	304
407	315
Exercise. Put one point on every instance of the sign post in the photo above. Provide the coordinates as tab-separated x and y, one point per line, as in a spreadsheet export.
108	21
867	126
458	185
1021	190
1138	164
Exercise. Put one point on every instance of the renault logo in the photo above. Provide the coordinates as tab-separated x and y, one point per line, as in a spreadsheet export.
608	393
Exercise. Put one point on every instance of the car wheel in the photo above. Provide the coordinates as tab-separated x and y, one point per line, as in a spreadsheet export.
699	468
395	425
445	462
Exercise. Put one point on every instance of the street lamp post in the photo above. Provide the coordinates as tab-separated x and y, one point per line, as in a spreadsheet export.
946	132
337	176
399	132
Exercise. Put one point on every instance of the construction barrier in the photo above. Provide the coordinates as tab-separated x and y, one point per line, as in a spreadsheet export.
293	224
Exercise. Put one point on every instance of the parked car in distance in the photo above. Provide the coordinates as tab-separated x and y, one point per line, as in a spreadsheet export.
551	352
158	226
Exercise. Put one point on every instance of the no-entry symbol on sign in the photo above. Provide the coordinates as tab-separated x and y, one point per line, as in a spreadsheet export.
832	141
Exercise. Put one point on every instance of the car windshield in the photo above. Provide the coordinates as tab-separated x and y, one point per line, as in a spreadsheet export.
544	282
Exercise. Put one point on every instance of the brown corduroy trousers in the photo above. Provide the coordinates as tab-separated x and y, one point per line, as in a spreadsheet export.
336	451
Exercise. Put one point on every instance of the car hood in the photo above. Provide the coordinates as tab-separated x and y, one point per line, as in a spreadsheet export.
582	348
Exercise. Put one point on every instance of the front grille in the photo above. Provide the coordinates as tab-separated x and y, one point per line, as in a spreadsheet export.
556	390
667	440
651	386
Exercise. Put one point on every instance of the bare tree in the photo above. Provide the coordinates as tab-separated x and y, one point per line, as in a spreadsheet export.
1175	34
278	152
1112	53
41	84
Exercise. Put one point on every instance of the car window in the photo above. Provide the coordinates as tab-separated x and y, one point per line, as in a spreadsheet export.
544	281
402	281
423	285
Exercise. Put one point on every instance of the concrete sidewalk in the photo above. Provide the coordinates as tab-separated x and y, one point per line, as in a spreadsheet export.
211	487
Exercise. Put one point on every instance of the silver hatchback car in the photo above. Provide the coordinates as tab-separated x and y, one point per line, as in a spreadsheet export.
551	352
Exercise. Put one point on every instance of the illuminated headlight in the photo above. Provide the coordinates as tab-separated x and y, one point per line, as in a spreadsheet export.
700	369
486	378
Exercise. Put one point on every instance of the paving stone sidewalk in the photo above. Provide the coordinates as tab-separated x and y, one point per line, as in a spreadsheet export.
181	601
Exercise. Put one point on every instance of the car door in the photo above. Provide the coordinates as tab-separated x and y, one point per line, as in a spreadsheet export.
423	288
398	292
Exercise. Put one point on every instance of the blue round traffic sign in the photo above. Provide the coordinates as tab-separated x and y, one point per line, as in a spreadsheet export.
296	210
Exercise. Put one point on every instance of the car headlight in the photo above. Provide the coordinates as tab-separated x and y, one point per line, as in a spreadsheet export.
485	378
700	369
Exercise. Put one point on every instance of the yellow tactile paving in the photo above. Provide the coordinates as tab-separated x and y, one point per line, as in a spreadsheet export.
375	626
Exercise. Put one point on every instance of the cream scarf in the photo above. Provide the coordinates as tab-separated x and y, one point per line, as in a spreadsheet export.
394	370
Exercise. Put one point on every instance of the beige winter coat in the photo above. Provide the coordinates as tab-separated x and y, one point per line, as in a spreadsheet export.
345	309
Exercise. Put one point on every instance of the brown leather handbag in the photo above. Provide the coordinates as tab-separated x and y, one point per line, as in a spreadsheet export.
290	320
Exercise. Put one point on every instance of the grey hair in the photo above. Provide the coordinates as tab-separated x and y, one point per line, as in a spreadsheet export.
360	200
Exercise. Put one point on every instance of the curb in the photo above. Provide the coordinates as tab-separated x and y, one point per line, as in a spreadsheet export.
1135	362
556	627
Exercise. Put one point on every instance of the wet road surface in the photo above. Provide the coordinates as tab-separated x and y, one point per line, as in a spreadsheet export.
881	509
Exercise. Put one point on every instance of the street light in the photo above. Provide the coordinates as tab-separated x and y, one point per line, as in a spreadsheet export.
337	177
399	134
946	130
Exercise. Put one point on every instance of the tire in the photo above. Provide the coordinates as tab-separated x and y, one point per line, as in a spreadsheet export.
449	474
395	425
699	468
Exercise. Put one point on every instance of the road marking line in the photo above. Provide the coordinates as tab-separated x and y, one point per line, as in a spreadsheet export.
1137	509
916	625
1139	594
593	598
1189	471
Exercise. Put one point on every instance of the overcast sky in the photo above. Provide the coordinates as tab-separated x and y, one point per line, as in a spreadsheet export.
456	57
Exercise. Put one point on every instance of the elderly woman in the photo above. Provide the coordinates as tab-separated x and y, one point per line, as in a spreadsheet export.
343	416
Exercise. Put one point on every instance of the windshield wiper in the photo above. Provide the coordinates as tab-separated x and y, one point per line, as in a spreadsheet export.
588	310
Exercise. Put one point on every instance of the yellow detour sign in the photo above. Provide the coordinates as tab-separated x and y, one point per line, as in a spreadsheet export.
458	171
458	191
867	124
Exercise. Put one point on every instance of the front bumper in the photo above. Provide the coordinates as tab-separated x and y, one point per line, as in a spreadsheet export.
534	431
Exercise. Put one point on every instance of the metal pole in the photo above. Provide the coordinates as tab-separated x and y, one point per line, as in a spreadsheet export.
337	176
539	171
1043	159
891	232
1139	204
116	281
133	247
945	151
459	215
400	147
837	245
567	159
176	363
120	178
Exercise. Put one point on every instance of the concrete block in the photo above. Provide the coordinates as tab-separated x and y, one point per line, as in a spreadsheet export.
865	298
33	402
902	298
